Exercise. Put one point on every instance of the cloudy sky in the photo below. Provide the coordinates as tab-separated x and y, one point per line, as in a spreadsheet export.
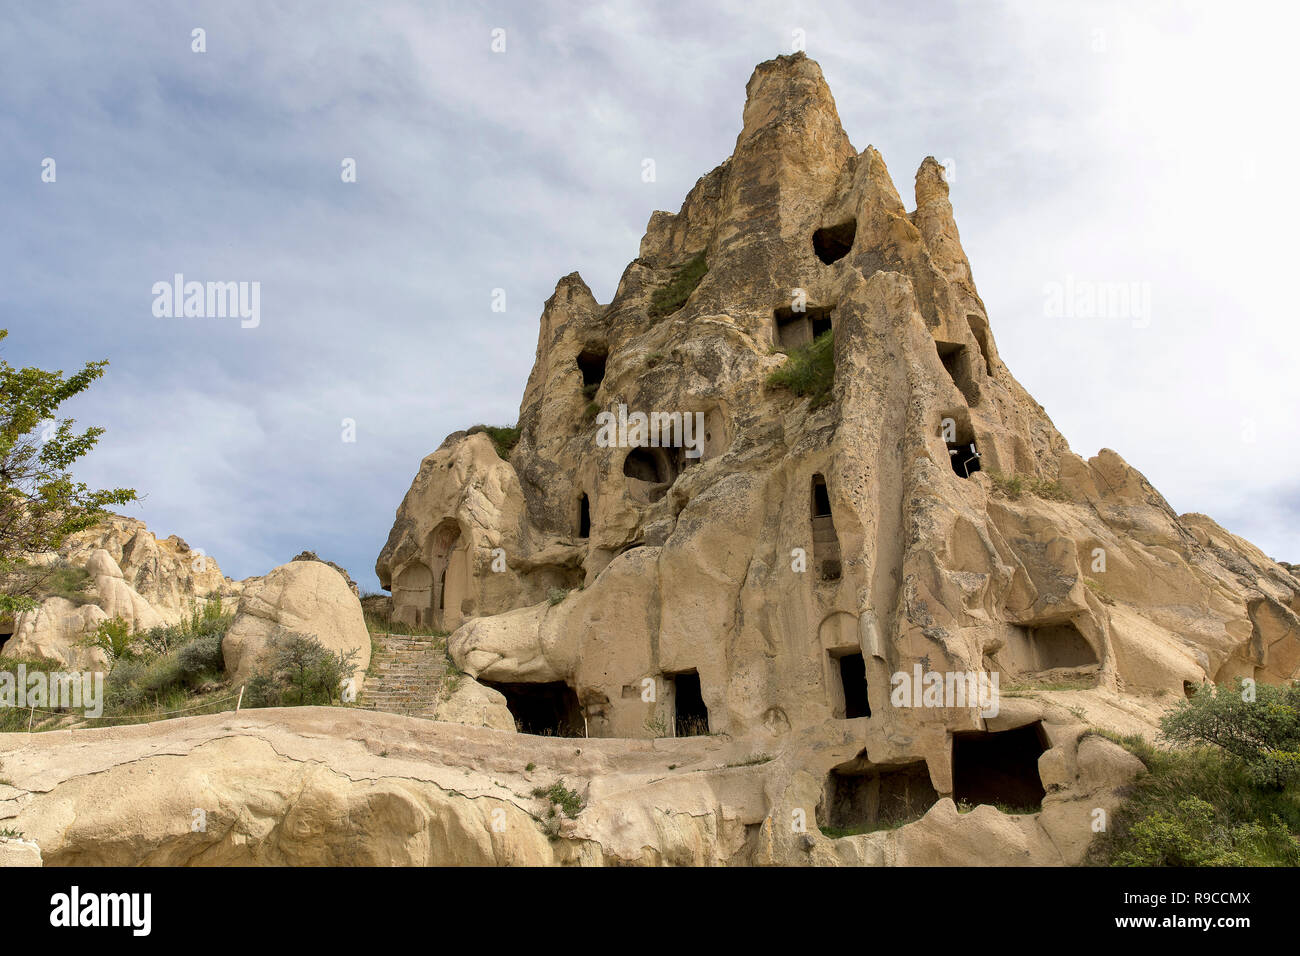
1135	143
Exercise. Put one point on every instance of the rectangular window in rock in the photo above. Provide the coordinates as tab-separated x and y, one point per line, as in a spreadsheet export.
690	715
826	543
584	517
852	670
591	362
956	362
794	329
964	455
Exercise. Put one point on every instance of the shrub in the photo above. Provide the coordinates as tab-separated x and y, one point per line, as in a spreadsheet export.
140	683
57	579
504	437
1164	821
298	670
115	639
809	370
569	801
673	296
1192	835
1263	734
555	595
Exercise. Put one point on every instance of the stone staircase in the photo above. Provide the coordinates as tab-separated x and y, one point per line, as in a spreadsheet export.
405	676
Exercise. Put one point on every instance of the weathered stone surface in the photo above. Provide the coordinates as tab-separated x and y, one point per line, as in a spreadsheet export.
145	582
302	597
1080	572
927	519
340	786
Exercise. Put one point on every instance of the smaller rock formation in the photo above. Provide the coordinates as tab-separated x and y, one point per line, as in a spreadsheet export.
304	597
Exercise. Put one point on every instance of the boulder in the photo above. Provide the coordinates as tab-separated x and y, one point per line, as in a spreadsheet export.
304	597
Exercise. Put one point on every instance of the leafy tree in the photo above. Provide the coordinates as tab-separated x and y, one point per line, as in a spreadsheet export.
1260	730
40	502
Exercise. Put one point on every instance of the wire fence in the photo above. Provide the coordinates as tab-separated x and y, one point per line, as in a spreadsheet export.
140	718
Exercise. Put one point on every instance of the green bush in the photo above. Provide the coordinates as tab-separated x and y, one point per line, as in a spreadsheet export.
569	801
297	671
673	296
115	639
57	579
1262	734
504	437
809	370
1164	819
1193	835
169	664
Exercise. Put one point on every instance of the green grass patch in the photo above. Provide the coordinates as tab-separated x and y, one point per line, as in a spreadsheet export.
809	370
1097	588
673	296
569	801
504	437
40	581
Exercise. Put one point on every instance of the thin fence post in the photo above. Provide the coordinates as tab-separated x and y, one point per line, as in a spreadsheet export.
240	702
30	717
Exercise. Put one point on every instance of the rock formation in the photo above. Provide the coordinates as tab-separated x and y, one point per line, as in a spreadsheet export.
130	575
301	597
928	517
779	639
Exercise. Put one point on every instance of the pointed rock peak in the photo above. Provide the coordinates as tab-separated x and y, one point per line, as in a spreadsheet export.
572	286
791	91
931	182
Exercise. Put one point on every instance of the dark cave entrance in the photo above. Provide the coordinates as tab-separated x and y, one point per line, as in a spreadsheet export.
648	464
6	632
964	456
690	715
826	543
834	242
584	517
545	710
860	796
853	679
957	363
591	362
999	768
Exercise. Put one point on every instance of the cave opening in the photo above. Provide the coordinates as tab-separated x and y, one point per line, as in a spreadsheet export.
647	464
852	669
956	362
860	796
544	710
826	542
999	768
591	362
964	456
584	517
833	243
794	329
690	715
